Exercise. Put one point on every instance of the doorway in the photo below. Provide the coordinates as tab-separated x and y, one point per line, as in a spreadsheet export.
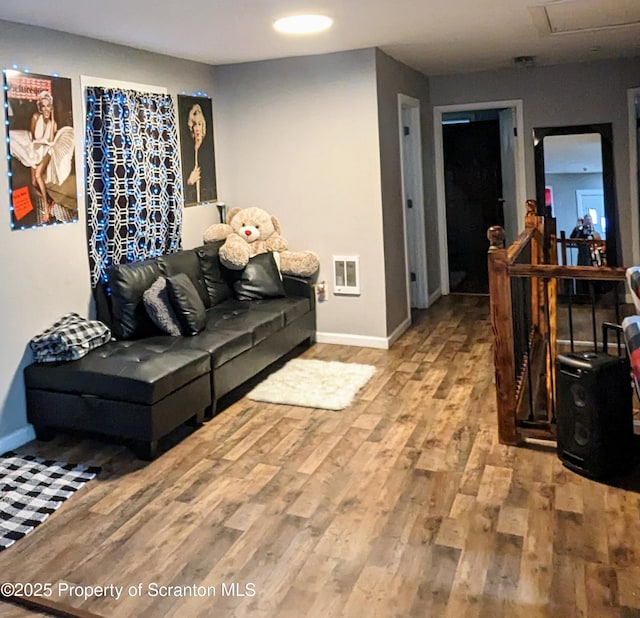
473	194
498	123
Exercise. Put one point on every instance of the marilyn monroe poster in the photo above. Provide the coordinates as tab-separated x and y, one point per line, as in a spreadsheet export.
196	147
41	145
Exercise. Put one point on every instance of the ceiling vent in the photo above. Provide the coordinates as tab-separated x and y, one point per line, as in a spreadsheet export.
570	16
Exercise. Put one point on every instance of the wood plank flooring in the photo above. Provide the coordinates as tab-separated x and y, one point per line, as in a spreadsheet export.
403	505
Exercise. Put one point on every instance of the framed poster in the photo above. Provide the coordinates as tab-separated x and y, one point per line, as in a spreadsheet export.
41	148
196	149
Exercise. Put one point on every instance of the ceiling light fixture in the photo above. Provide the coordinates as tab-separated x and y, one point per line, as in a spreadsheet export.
526	62
302	24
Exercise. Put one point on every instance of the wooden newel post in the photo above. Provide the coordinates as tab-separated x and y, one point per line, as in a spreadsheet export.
496	237
530	218
551	299
502	326
537	257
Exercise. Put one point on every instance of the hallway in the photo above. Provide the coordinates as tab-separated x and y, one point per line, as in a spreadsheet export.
402	505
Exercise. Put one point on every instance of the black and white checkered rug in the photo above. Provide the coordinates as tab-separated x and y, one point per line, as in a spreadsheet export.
31	489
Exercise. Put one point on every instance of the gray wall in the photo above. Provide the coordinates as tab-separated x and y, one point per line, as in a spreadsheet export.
44	273
299	138
568	94
394	78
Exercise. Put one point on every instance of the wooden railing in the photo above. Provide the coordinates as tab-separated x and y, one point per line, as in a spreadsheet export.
596	249
523	288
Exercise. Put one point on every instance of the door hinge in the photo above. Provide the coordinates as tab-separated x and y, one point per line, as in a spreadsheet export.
406	130
515	131
412	276
409	203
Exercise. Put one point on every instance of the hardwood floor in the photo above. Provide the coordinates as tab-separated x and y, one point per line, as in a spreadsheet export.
402	505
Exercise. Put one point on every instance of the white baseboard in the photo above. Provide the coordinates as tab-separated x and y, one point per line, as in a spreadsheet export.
16	439
360	341
396	334
434	296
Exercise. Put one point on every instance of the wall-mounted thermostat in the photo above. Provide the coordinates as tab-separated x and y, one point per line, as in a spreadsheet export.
346	274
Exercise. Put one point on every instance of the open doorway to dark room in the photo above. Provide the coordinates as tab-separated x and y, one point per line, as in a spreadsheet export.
473	191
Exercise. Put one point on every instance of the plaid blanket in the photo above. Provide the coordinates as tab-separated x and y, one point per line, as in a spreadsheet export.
70	338
633	281
31	489
631	332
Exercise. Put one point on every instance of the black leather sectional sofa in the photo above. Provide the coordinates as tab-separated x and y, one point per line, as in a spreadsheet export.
143	384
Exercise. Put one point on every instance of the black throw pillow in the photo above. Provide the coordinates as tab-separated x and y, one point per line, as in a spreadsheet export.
259	279
217	286
187	304
128	283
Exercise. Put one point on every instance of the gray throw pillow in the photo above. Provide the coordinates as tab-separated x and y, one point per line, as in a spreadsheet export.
158	306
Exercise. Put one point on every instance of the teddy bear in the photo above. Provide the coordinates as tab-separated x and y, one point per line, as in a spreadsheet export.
251	231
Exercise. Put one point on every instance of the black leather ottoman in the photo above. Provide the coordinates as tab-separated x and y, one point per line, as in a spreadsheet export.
139	390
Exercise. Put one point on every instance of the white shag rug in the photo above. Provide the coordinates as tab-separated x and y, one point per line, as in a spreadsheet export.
330	385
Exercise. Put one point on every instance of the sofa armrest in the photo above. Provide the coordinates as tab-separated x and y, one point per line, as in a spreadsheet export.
300	286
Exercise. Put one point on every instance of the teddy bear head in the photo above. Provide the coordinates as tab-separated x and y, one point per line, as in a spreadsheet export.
253	224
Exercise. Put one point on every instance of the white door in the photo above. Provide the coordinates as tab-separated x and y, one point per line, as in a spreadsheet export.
508	164
410	203
413	201
591	202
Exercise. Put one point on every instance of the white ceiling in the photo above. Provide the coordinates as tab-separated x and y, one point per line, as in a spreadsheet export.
433	36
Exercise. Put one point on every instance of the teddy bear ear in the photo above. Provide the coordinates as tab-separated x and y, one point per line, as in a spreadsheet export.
232	213
276	224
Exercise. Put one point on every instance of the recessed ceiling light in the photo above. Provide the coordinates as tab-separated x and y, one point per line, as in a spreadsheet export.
303	24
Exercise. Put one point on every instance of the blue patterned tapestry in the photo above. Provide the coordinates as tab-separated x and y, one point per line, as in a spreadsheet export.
134	184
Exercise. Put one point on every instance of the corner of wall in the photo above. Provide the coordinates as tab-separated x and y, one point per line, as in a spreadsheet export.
17	438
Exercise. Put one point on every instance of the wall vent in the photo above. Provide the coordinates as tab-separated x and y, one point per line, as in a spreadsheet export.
346	274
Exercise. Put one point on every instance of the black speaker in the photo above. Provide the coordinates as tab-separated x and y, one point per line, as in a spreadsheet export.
594	414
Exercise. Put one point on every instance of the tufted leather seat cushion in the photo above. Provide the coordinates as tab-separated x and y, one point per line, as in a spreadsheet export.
291	308
222	345
132	371
245	318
